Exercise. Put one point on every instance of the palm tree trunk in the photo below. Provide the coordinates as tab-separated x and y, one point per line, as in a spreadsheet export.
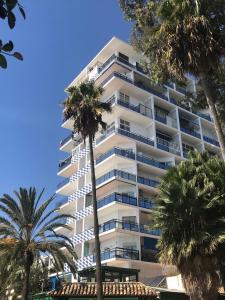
25	293
208	91
222	274
96	225
200	278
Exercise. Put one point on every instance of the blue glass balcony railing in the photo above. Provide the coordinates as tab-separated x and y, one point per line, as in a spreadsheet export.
116	173
140	108
145	203
204	116
127	176
65	140
210	140
118	151
149	161
136	137
191	132
160	119
115	58
147	181
129	134
137	84
106	133
122	198
118	224
126	225
168	146
148	230
131	155
121	253
63	164
62	183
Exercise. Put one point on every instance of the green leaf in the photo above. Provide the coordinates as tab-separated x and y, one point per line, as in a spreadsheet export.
8	47
18	55
22	12
3	61
11	19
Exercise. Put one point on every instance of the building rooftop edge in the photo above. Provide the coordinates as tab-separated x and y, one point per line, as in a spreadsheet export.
113	40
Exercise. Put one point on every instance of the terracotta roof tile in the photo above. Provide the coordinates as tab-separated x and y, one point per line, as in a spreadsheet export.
109	289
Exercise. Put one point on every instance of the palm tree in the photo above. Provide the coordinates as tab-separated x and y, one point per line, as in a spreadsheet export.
190	213
180	37
85	109
28	229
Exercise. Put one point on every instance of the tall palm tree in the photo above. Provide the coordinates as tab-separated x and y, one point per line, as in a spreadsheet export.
180	37
28	229
83	106
190	213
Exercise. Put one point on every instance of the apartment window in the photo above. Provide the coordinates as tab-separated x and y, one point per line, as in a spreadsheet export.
123	56
125	98
163	138
130	246
161	112
187	148
129	219
129	194
125	125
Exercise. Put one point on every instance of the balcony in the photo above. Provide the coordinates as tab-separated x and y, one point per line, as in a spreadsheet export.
126	225
140	108
122	198
147	181
115	58
205	116
166	120
176	87
136	137
117	151
145	203
149	161
126	176
65	140
191	132
141	86
211	140
65	163
105	134
131	155
148	230
167	146
116	173
119	253
123	132
116	197
62	183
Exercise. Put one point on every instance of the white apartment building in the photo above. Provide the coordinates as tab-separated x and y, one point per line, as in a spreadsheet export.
148	132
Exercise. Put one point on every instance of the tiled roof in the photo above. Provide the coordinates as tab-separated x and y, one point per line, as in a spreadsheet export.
115	289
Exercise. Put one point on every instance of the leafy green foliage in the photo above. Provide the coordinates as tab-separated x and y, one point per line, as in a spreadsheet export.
12	278
7	12
84	107
180	37
190	212
28	230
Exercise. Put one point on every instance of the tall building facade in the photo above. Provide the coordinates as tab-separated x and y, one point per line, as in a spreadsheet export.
148	131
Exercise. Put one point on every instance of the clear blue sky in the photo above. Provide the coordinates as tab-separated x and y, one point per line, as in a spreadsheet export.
57	40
